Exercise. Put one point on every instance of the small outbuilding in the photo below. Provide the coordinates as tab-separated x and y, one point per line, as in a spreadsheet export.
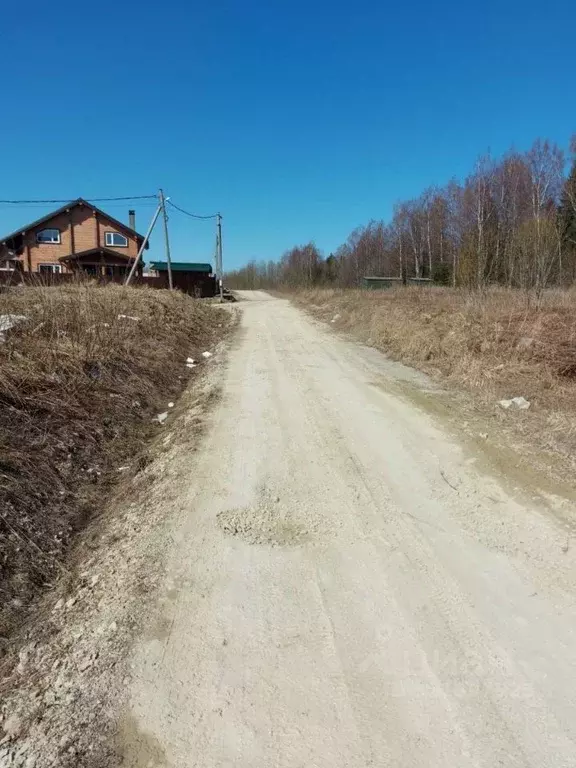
195	278
385	283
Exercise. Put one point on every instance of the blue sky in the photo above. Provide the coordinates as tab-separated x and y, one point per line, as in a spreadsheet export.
297	120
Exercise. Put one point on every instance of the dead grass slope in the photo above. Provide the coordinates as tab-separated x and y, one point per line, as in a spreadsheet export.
499	344
80	382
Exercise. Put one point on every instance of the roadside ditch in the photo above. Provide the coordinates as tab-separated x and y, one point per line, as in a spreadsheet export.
98	386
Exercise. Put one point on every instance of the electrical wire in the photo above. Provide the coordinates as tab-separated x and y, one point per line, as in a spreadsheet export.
192	215
41	206
88	199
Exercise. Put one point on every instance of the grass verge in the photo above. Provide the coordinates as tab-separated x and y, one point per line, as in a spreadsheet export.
81	379
497	345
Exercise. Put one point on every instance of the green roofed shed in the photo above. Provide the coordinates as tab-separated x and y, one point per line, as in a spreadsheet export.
181	266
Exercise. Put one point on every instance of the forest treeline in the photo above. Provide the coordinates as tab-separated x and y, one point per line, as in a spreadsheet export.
511	222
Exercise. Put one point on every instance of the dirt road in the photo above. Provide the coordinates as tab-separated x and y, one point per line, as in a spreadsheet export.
350	586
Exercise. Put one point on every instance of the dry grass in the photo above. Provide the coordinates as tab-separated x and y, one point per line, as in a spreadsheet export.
499	344
79	386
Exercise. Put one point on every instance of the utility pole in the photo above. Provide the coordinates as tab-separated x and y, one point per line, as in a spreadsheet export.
219	251
166	240
137	259
217	257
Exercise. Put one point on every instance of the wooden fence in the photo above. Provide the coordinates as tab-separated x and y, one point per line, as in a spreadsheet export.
195	284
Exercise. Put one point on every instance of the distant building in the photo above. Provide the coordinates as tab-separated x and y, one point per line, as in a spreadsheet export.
384	283
76	237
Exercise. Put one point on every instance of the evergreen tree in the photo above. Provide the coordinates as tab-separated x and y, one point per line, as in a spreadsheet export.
331	268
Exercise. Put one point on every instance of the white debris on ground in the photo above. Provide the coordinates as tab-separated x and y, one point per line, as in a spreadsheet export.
336	317
128	317
190	365
170	405
189	360
521	403
206	354
7	322
516	403
161	418
526	342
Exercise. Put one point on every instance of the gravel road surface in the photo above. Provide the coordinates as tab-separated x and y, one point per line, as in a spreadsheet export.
351	586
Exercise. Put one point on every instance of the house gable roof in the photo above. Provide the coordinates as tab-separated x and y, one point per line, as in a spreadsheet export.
73	204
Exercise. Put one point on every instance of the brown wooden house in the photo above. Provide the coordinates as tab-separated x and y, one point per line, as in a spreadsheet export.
77	237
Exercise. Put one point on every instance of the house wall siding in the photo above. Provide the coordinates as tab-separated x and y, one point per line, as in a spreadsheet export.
84	230
48	253
85	237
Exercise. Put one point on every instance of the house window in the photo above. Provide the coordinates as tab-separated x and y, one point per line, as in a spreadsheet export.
48	236
51	268
116	239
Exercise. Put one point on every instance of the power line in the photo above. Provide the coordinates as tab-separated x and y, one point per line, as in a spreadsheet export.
40	206
192	215
88	199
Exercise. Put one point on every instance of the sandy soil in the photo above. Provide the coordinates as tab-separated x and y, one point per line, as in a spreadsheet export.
351	582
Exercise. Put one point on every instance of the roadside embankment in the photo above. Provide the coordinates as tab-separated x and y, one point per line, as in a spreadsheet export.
498	345
84	372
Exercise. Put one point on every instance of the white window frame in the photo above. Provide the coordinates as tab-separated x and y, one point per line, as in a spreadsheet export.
54	268
109	240
57	241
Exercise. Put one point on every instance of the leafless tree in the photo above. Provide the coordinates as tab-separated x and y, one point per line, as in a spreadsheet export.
511	222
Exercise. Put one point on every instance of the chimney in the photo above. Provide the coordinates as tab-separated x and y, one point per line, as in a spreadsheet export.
132	219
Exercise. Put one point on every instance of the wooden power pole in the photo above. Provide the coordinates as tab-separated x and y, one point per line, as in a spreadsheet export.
219	257
144	243
166	239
